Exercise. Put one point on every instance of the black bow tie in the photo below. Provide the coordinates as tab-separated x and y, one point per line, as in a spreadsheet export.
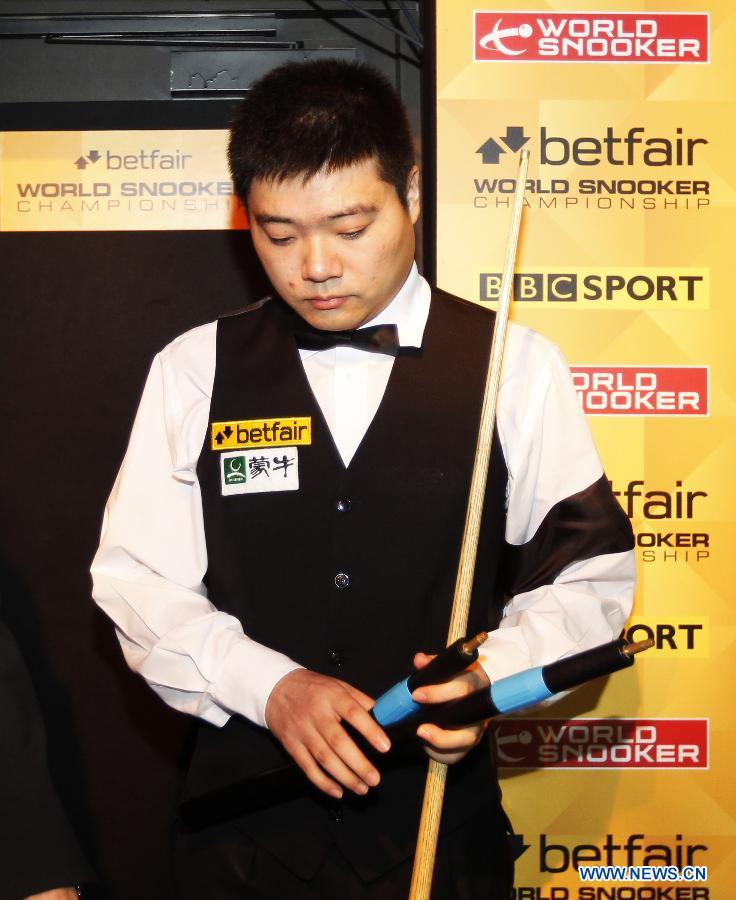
378	338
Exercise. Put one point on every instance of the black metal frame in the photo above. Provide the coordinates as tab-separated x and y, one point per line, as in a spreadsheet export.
429	140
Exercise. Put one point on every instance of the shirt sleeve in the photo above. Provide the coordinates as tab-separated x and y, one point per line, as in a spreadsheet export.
569	566
148	571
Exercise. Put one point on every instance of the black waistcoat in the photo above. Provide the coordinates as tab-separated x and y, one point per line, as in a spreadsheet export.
273	558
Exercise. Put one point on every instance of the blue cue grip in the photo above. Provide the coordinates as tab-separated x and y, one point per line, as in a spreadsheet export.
520	690
395	705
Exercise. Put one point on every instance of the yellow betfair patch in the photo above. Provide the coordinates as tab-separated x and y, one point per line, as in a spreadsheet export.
261	433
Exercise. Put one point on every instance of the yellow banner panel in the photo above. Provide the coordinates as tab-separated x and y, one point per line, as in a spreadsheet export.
628	112
116	181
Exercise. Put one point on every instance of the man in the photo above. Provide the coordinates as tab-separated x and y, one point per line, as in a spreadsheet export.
314	495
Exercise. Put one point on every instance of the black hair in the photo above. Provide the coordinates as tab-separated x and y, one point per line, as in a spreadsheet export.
330	113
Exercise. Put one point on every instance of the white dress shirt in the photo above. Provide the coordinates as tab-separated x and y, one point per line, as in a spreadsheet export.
152	557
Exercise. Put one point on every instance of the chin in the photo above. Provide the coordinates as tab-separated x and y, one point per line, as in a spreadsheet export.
341	319
329	321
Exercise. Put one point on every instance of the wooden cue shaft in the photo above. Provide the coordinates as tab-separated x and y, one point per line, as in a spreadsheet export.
434	791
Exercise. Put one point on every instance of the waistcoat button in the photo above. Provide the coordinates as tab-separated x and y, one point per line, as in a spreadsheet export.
343	505
335	811
337	659
342	580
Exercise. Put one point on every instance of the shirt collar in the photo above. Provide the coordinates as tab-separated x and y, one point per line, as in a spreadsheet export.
408	310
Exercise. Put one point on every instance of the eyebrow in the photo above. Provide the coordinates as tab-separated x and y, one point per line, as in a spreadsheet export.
358	209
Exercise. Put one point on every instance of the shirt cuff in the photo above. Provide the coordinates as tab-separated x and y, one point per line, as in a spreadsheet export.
501	657
248	676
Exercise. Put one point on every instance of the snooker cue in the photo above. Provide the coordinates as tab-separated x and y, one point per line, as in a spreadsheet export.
434	791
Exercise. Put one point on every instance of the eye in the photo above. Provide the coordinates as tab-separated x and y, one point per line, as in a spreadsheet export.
352	235
280	242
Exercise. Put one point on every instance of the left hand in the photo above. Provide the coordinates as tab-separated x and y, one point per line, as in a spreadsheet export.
450	745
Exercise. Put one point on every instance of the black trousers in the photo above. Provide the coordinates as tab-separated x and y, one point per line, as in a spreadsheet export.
474	862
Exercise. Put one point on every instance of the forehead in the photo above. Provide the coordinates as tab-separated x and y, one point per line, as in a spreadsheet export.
327	194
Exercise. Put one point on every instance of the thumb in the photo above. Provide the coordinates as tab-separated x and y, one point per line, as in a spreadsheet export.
422	659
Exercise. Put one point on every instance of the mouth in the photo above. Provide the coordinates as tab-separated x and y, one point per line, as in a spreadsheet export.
329	302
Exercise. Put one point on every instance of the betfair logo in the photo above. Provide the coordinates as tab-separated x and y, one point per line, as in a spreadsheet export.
261	433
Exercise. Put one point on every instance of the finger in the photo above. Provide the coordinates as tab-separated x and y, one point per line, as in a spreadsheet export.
365	701
472	679
307	763
445	757
334	755
364	723
440	693
349	752
451	739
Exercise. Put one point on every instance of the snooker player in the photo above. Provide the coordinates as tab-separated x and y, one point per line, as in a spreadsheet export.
272	579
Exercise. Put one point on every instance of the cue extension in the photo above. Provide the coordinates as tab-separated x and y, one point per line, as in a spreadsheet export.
504	696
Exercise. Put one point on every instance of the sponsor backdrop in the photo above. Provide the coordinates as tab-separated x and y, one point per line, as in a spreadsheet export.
626	263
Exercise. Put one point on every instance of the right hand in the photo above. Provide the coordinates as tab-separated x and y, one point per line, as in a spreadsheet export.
304	712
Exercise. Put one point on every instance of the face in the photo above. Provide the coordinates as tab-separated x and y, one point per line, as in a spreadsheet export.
338	247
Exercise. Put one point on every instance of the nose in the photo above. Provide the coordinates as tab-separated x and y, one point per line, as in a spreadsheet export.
320	262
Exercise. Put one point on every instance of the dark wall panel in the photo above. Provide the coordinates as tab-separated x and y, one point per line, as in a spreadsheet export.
84	314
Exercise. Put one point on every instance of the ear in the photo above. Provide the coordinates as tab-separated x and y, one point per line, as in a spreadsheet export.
413	203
